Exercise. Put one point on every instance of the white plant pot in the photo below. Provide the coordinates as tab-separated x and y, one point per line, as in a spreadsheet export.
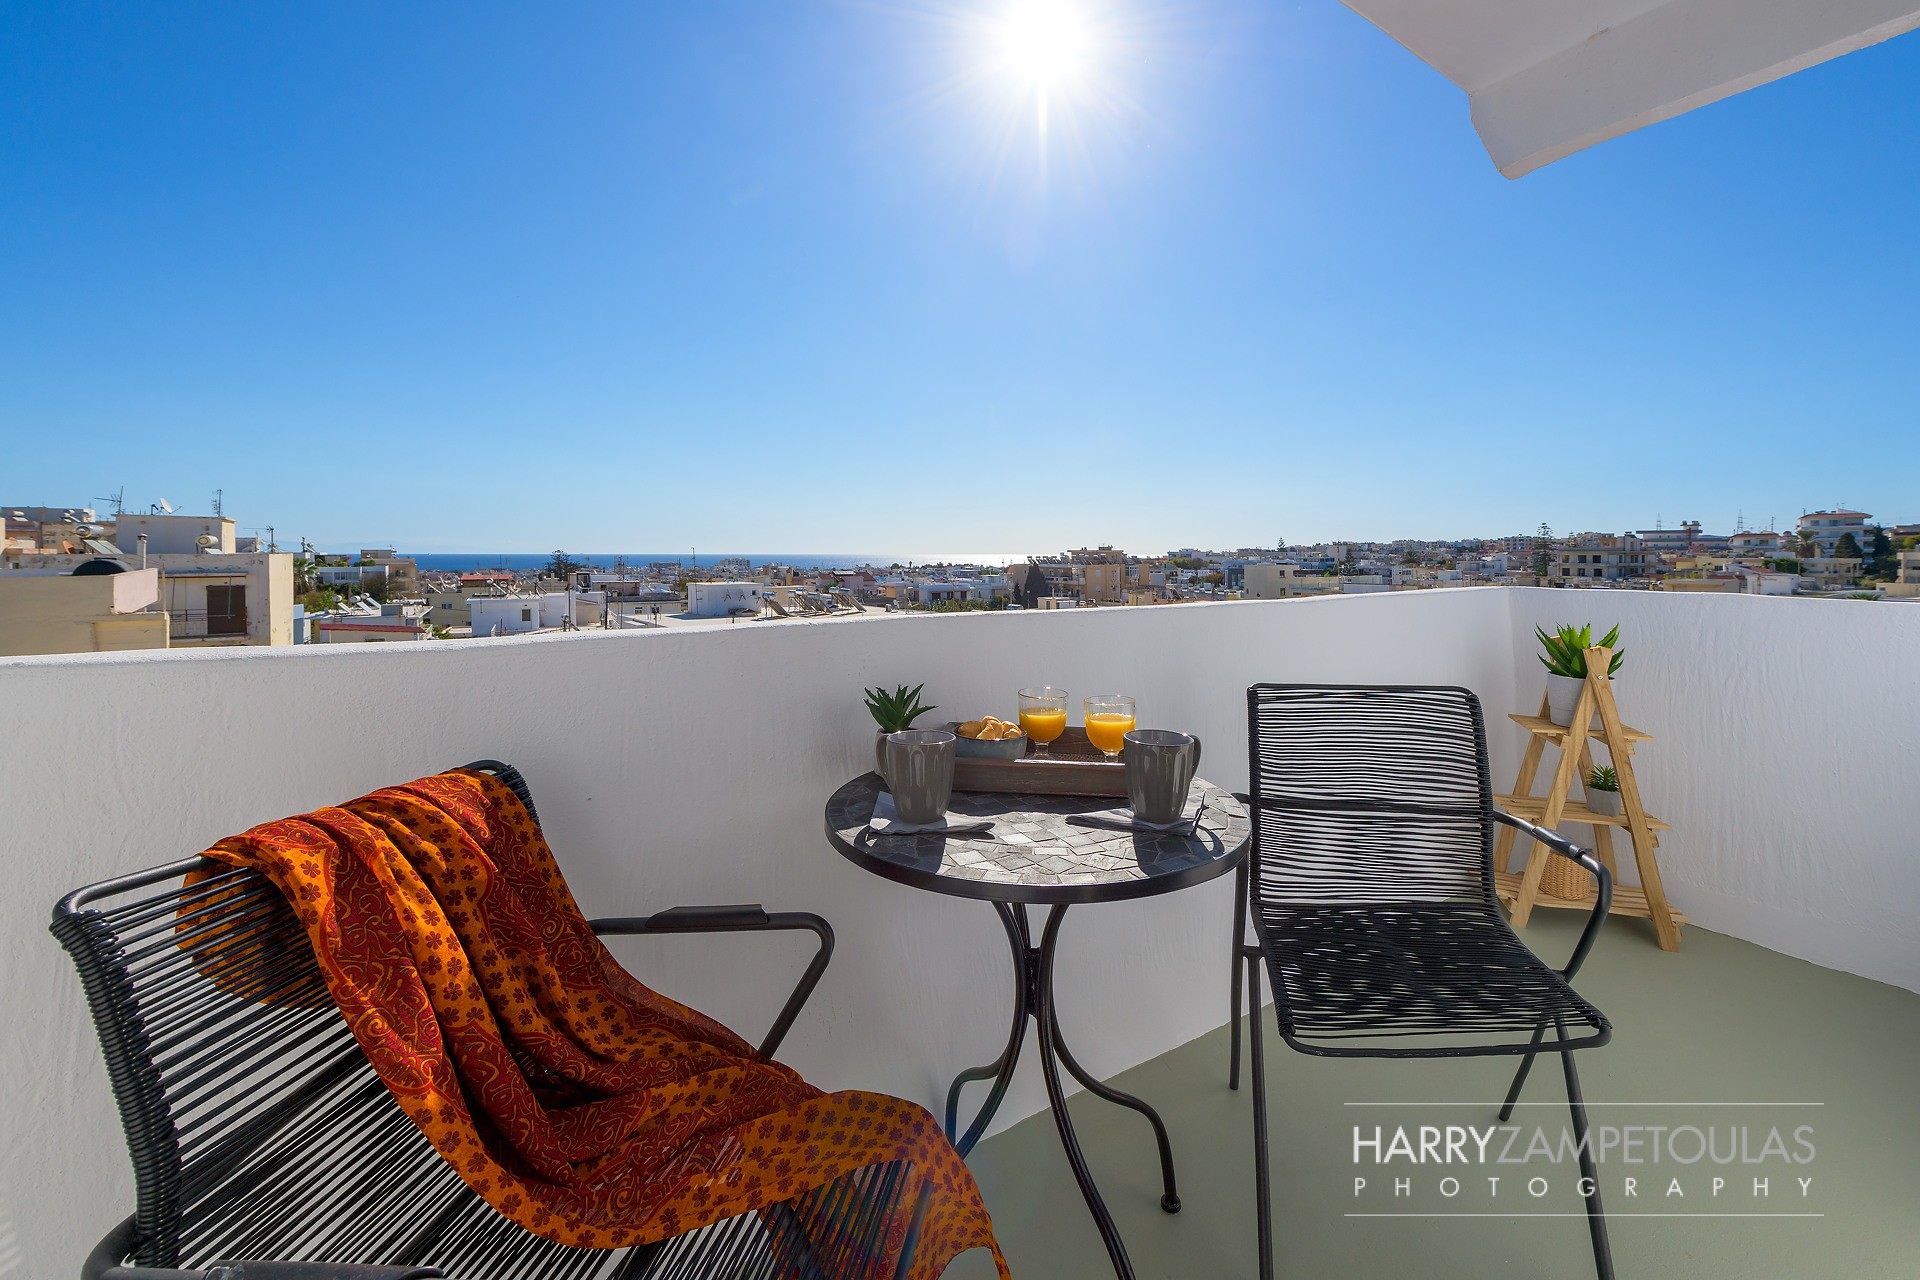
1607	802
1563	695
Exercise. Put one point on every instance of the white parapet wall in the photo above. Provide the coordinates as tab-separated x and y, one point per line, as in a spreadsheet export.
690	766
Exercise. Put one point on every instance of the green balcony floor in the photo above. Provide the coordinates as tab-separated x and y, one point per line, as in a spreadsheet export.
1720	1022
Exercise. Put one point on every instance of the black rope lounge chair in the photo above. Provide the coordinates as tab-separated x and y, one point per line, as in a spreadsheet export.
1371	889
266	1148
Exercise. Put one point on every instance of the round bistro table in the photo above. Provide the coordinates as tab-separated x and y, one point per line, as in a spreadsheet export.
1034	856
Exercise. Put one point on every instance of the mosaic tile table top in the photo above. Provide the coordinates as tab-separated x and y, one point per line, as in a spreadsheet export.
1034	855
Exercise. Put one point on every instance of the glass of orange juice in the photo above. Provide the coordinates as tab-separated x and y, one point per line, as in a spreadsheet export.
1109	720
1043	716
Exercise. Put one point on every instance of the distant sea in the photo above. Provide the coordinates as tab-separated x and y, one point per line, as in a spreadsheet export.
465	561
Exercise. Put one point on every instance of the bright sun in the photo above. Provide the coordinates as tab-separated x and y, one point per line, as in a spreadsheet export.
1050	75
1046	43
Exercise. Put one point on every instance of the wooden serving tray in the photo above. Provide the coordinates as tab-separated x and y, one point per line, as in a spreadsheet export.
1073	767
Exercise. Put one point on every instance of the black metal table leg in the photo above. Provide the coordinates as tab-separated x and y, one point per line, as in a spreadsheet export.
1033	998
1057	1099
1170	1199
1000	1070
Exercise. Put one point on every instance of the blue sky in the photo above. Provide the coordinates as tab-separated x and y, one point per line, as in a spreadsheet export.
796	276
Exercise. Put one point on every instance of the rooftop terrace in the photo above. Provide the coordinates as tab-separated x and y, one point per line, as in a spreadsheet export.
1784	758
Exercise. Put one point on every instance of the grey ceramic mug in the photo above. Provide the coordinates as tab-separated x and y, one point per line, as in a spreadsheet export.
919	773
1160	767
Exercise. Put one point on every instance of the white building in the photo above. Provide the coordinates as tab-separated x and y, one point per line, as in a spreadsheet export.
173	535
1756	542
720	599
1766	582
1828	527
505	615
571	608
548	611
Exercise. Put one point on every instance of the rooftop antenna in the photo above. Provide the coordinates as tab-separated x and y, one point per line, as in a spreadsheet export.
216	501
271	544
119	501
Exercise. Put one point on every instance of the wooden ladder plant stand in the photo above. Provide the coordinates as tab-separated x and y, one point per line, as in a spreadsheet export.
1522	892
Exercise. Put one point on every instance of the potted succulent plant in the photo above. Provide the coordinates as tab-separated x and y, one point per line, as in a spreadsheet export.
893	712
1565	658
1603	791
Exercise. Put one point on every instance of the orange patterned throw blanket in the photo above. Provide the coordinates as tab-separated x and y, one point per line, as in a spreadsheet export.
585	1107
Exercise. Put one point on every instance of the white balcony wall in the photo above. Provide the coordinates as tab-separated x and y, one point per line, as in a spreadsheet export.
690	766
669	767
1786	755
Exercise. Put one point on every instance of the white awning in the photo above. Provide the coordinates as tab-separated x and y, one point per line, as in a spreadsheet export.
1547	78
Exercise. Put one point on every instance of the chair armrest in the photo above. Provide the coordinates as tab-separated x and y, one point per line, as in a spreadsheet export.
274	1270
1552	839
107	1263
1602	899
733	919
259	1269
743	918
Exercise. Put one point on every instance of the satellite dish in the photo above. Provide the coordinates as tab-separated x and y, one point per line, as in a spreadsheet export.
166	506
206	540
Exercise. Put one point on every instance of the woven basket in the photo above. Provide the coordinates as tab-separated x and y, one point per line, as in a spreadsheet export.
1564	878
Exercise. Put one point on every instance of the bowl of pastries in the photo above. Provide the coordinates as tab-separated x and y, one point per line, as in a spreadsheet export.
988	738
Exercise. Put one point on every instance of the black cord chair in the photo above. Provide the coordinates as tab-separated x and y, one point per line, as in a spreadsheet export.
1371	891
260	1132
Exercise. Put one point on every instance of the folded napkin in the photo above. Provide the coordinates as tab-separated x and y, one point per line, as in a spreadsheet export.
886	821
1125	820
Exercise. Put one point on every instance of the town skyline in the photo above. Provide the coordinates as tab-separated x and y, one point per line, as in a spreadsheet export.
81	577
290	537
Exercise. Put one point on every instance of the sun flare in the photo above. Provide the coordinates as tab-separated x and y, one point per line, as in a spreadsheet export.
1051	87
1047	44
